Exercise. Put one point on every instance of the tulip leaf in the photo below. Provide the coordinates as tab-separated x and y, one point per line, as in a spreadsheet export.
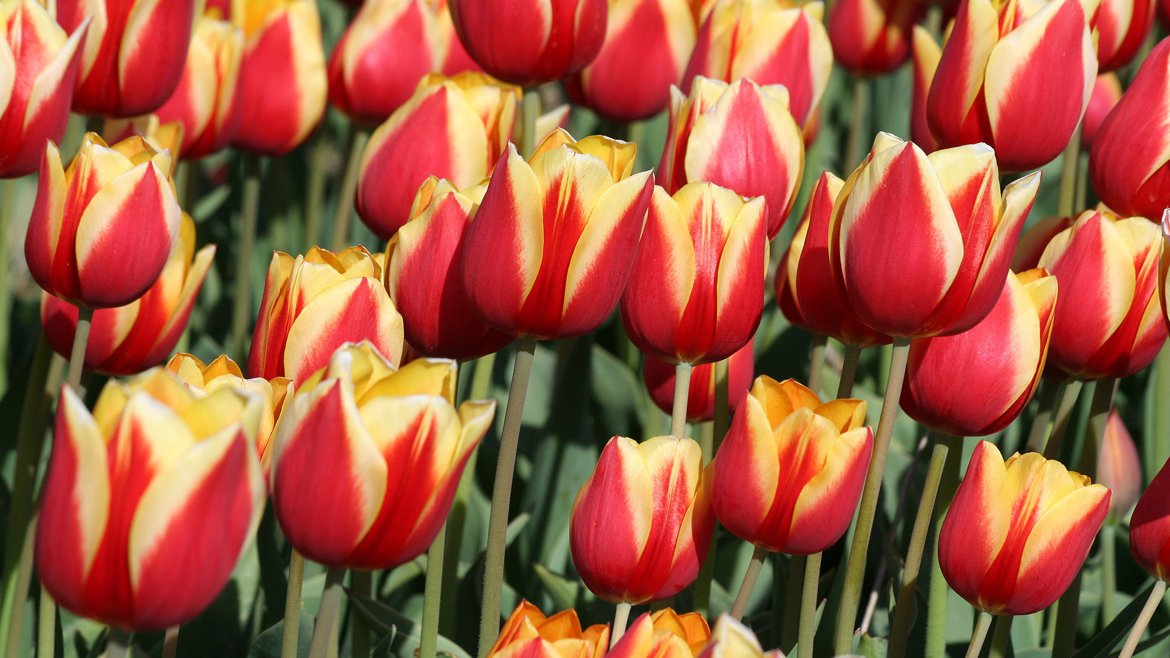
565	593
268	643
386	620
1116	630
209	203
872	647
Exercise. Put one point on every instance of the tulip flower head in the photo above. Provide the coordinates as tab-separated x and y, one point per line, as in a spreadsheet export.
663	634
102	230
658	376
927	53
555	238
1121	27
1106	96
1149	527
873	36
1118	466
731	639
158	478
641	525
367	458
1018	531
529	633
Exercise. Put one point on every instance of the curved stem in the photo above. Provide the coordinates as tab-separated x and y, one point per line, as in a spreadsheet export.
1143	620
249	216
80	341
292	606
749	583
848	371
1157	451
980	635
1001	637
328	613
808	606
621	617
357	145
682	392
816	362
432	596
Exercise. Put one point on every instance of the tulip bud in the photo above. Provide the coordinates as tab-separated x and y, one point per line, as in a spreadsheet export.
158	479
367	458
529	42
731	639
658	376
647	43
1106	96
554	240
424	276
466	119
1149	527
696	292
315	303
665	634
1018	531
38	68
926	56
740	136
101	231
1121	28
871	37
529	634
1002	63
1001	358
1130	163
921	244
641	524
1118	466
282	85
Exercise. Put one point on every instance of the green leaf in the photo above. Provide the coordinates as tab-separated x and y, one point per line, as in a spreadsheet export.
268	643
872	647
1103	642
564	592
386	620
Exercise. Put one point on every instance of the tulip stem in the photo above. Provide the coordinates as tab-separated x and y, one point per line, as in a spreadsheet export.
292	606
432	596
1068	175
315	197
849	371
357	146
9	191
682	392
493	577
361	583
529	112
702	595
454	528
808	606
249	216
1064	412
1001	637
749	583
981	628
857	123
1143	620
937	595
117	644
855	566
621	617
80	340
328	613
816	362
1108	569
1049	395
46	624
171	643
1158	450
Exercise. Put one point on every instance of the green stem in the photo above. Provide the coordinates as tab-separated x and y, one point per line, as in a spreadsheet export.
749	583
1001	637
980	635
1143	620
857	124
454	530
621	617
8	190
171	643
1050	394
722	405
849	371
249	216
432	596
46	624
794	588
808	606
14	620
1108	570
292	606
1060	422
362	583
682	391
936	616
493	580
80	341
117	644
702	595
328	614
529	112
855	567
816	362
1157	447
353	166
1068	175
638	133
315	197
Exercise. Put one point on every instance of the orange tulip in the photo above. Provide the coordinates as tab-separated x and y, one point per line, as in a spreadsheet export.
529	634
664	634
658	376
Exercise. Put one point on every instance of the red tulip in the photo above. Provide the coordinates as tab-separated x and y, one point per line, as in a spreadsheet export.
658	376
873	36
1118	466
1149	527
1106	96
926	57
1121	28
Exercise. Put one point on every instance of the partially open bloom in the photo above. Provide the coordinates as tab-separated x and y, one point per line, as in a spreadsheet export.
1130	162
921	244
529	634
424	276
873	36
731	639
1118	466
466	119
133	54
663	634
315	303
1121	28
38	67
696	292
642	523
368	457
789	473
1006	61
1018	531
161	136
658	376
741	136
101	231
1106	96
1001	359
128	339
157	473
528	42
554	240
1149	527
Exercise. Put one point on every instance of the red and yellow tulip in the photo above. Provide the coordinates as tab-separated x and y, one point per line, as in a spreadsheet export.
1149	527
1121	27
873	36
528	633
658	376
663	634
1106	96
926	56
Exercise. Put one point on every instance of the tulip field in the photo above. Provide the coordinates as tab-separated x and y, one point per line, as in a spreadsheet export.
585	328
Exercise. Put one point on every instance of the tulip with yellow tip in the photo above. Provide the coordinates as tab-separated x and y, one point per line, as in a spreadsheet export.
663	634
528	633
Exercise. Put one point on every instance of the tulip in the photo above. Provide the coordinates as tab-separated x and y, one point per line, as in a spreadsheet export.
1107	320
740	136
789	473
528	42
129	339
1106	96
202	103
160	136
101	231
922	244
696	292
224	373
770	42
807	291
1149	527
1130	163
424	276
1018	531
158	479
926	56
529	633
658	376
466	119
1118	466
1122	27
133	54
664	634
1001	358
315	303
1164	11
731	639
1002	63
647	43
543	224
39	63
450	55
641	525
282	86
367	458
871	37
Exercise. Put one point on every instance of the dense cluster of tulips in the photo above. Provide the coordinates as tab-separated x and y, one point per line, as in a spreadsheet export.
999	275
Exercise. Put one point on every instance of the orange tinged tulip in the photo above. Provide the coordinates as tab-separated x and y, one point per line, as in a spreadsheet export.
664	634
642	523
158	473
529	634
658	376
1001	359
1121	28
1018	531
873	36
101	231
1106	96
555	238
1118	466
368	457
1149	527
